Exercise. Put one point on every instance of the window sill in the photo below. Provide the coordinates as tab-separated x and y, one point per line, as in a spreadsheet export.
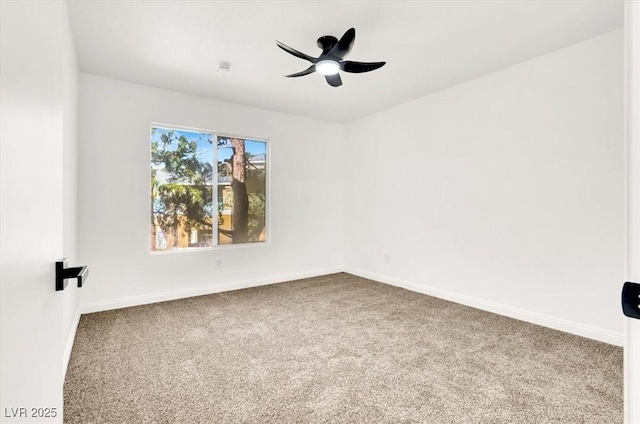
218	248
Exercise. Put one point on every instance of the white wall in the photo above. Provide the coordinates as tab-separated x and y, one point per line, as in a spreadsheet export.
306	196
38	90
505	192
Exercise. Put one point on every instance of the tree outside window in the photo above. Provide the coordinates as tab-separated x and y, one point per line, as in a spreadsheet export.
183	187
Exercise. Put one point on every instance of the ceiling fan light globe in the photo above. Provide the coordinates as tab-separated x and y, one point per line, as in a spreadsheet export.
327	67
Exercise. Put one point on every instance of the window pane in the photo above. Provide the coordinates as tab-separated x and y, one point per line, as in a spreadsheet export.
242	172
181	189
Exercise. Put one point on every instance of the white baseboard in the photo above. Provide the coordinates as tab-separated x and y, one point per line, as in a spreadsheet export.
66	356
509	311
199	291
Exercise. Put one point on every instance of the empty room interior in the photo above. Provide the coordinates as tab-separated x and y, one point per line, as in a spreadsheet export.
323	212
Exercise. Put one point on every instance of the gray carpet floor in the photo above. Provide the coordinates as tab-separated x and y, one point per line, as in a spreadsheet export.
333	349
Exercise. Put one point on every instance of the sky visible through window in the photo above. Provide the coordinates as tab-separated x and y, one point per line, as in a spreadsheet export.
253	147
205	145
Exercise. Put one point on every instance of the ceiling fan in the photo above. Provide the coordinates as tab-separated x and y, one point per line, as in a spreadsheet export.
330	62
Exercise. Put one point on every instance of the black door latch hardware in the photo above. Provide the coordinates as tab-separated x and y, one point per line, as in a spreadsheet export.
63	274
631	299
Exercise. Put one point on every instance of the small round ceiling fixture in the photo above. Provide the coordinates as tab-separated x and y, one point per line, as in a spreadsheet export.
224	67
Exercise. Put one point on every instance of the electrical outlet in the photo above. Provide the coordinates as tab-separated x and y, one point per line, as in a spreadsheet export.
218	264
387	258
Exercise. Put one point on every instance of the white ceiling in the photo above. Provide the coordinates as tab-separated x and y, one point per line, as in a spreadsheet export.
428	46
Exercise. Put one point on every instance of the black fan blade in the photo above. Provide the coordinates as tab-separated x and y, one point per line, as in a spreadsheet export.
360	67
311	69
345	44
334	80
296	53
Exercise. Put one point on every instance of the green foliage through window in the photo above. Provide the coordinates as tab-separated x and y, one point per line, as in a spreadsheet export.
183	187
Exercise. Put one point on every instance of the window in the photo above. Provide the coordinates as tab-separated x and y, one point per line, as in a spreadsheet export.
185	188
